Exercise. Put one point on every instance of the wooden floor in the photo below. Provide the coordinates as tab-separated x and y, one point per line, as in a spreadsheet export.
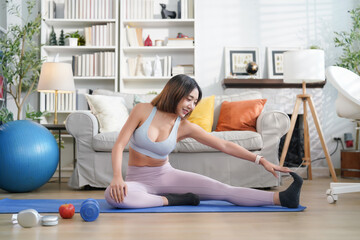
320	220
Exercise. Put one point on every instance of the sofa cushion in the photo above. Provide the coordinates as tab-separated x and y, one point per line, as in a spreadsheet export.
109	111
104	142
247	139
232	98
240	115
203	114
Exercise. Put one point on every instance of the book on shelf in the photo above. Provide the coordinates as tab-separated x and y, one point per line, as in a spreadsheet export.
51	9
180	42
54	9
81	9
187	69
185	9
134	36
139	38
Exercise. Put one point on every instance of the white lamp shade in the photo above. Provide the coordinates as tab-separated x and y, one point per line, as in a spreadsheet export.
56	76
304	66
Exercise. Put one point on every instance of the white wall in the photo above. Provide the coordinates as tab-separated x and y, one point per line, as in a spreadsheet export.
280	23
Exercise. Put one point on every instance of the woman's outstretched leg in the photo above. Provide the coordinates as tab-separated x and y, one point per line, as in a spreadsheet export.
171	180
291	196
176	181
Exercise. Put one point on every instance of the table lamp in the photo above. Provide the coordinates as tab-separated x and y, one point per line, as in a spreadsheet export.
56	77
305	66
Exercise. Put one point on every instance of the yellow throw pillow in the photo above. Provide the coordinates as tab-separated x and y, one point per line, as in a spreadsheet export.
203	114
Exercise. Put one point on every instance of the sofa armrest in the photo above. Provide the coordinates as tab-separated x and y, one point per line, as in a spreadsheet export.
82	124
273	123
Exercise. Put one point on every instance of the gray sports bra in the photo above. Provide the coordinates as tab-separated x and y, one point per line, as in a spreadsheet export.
141	143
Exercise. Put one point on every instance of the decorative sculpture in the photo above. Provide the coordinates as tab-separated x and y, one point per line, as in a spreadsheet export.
157	67
251	68
166	13
148	42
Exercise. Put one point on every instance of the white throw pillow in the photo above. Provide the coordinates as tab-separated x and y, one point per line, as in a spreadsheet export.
128	97
110	112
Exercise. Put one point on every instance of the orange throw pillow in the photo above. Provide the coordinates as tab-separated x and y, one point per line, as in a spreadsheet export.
240	115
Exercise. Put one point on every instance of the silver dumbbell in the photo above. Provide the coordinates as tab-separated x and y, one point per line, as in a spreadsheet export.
30	217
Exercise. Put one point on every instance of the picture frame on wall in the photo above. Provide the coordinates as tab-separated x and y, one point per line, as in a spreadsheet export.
275	56
236	59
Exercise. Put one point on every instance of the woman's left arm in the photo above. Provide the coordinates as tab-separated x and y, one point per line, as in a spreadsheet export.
196	132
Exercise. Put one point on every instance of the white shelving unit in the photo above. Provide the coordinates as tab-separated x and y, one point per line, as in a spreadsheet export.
66	52
158	29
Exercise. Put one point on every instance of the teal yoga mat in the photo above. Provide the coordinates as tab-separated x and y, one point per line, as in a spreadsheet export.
52	206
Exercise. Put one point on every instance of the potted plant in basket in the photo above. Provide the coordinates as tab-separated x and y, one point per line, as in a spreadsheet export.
21	62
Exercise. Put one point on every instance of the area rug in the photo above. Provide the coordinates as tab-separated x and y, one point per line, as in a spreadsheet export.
52	206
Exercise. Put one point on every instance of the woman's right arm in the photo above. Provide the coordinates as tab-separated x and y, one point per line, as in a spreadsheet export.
118	187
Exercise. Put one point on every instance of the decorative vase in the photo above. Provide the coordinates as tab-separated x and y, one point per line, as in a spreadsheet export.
139	66
157	67
148	41
147	68
73	42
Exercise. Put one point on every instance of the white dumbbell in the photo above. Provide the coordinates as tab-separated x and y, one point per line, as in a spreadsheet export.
30	218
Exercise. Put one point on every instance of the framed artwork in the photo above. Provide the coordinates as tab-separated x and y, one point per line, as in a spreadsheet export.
236	59
275	61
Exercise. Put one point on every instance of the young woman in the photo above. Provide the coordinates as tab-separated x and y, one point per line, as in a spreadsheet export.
153	130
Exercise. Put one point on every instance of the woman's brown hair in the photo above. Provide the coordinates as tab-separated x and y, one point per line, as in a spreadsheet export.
176	88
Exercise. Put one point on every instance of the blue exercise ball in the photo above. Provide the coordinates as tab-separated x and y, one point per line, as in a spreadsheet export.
29	155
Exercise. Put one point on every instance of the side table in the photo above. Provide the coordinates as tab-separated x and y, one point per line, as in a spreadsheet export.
350	164
59	128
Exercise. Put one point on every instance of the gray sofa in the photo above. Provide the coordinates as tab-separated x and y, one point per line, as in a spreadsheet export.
93	149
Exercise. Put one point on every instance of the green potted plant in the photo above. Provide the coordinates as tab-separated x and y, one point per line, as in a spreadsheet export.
75	39
21	62
349	42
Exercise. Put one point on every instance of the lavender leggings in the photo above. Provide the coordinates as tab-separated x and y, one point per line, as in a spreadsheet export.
146	185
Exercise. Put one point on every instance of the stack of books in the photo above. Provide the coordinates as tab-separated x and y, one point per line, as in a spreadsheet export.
180	42
183	69
100	35
99	64
139	9
81	9
66	102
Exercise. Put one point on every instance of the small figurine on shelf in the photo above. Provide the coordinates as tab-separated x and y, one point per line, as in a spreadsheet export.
180	35
166	13
52	41
251	69
148	41
62	38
